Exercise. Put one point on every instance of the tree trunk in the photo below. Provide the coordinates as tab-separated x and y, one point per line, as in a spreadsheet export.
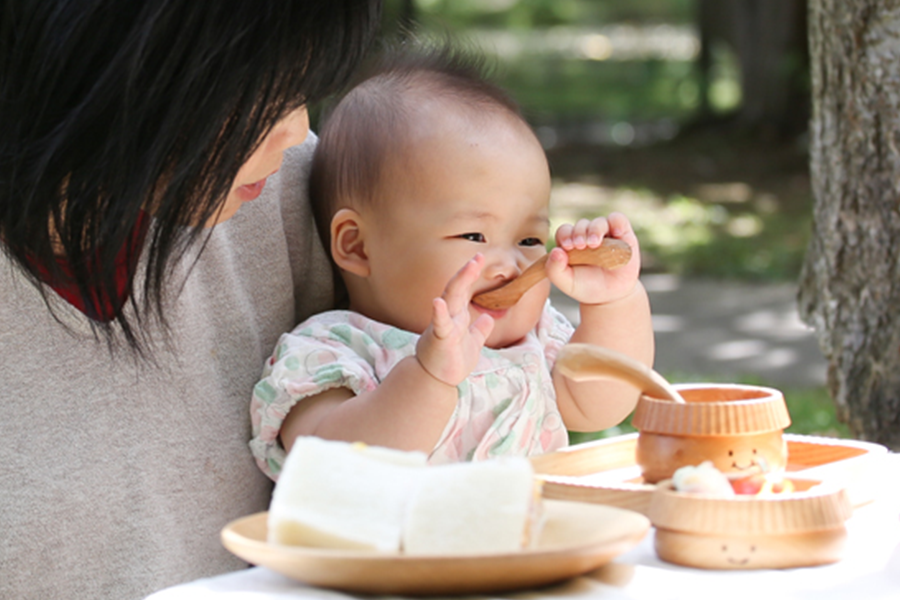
850	284
769	39
771	44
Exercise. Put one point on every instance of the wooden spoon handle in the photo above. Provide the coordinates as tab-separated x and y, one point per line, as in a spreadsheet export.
583	362
610	254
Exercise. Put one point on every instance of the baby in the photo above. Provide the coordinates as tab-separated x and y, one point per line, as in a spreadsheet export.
430	188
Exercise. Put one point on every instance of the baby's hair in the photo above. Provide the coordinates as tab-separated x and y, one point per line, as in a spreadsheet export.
369	126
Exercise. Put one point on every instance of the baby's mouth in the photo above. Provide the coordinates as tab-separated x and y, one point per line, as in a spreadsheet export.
495	313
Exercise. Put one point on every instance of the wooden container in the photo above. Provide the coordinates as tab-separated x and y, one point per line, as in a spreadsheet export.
606	472
796	529
737	427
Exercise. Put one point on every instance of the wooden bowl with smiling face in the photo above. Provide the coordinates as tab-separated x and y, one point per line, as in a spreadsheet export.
802	528
737	427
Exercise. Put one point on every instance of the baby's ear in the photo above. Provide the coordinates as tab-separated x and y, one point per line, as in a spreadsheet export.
347	244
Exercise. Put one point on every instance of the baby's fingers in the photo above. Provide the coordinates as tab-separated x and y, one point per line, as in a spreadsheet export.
558	269
441	322
620	227
584	233
564	236
596	230
483	326
458	292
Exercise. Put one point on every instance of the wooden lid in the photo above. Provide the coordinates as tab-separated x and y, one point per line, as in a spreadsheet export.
714	410
812	507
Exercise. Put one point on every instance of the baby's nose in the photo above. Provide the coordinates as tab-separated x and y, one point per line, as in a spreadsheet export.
502	265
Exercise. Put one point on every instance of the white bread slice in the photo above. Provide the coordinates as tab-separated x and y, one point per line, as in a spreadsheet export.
340	495
473	508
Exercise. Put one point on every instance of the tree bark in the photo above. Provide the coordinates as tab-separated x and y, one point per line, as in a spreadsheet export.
850	283
769	39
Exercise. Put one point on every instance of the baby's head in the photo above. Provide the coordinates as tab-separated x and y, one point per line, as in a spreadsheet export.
419	167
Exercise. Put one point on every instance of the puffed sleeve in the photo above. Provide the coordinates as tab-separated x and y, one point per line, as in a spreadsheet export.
325	352
554	331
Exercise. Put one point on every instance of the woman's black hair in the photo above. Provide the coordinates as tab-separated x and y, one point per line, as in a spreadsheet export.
110	107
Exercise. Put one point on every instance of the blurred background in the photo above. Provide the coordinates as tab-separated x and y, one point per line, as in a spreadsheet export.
690	116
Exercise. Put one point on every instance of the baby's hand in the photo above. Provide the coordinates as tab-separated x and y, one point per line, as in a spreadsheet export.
590	284
451	346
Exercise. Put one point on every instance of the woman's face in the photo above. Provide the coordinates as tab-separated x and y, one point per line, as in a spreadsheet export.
264	162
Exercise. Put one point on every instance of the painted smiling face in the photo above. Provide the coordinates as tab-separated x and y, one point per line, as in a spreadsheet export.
746	454
715	551
738	555
661	455
750	551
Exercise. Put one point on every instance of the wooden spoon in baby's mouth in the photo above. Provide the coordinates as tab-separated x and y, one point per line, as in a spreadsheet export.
610	254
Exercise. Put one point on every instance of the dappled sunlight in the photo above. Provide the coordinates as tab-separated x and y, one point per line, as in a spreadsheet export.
737	349
744	226
729	230
780	358
668	323
757	355
703	327
661	282
617	42
736	192
784	324
676	220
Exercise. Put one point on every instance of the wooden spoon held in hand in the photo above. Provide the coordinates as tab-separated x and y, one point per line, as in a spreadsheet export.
610	254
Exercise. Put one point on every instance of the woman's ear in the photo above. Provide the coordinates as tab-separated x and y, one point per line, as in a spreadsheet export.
347	244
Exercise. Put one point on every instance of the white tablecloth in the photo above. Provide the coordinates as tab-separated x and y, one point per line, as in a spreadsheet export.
869	570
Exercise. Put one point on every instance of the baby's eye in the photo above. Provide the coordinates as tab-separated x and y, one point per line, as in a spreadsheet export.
532	241
473	237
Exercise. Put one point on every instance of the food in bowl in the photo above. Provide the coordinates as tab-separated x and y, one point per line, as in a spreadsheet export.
705	478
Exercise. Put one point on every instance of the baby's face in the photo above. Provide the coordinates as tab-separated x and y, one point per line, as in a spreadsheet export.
462	188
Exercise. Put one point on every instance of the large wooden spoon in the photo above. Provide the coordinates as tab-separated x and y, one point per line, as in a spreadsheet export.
610	254
583	362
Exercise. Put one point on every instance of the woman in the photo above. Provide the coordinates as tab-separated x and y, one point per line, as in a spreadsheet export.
152	253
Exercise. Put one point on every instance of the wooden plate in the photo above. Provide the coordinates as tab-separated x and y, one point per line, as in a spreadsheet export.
576	538
606	472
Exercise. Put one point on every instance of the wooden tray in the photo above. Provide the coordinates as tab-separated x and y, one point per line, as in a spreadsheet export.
605	471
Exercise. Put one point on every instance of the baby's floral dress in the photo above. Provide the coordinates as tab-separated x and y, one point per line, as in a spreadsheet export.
507	405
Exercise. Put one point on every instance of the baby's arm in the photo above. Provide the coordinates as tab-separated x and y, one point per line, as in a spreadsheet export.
615	313
412	405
